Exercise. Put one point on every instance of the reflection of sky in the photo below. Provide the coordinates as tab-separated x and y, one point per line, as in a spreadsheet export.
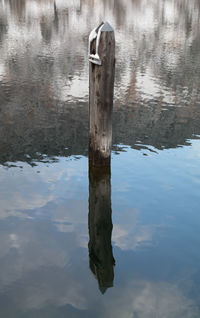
44	236
34	188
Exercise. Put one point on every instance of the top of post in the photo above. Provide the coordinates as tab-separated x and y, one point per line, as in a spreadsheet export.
106	27
95	36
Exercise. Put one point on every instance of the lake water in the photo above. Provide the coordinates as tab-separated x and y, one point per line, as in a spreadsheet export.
79	246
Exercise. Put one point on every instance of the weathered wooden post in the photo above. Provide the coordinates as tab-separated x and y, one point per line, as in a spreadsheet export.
101	89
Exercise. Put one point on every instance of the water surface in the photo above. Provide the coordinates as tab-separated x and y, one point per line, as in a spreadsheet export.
125	245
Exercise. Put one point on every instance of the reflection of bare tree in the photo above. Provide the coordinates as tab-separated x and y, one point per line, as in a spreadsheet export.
46	29
56	18
3	27
18	7
100	228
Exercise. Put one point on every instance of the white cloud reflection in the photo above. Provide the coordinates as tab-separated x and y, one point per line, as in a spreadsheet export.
30	190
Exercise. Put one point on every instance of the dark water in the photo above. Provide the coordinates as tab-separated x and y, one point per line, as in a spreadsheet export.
80	246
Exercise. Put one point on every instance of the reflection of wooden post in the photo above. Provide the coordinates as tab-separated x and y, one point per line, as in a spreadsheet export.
100	227
101	88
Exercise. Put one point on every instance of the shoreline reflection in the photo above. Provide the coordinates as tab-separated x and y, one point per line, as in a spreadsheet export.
44	80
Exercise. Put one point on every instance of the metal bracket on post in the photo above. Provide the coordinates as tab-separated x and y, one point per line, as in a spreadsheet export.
95	34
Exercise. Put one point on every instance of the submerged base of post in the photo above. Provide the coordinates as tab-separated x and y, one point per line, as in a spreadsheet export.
96	159
98	173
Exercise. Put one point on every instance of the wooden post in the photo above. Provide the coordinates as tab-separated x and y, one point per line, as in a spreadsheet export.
100	227
101	88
